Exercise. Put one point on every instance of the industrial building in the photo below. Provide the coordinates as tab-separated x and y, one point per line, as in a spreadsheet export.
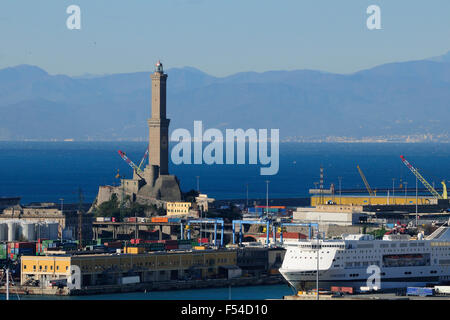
343	215
178	208
109	269
44	220
363	200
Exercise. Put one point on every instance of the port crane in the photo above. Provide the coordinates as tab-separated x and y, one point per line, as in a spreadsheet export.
136	168
425	182
371	193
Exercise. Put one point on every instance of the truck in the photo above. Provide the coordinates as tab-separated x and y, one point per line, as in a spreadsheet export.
442	290
418	291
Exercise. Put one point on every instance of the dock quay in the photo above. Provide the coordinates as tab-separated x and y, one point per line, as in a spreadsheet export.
370	296
148	286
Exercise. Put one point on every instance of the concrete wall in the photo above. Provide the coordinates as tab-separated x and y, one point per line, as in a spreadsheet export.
338	218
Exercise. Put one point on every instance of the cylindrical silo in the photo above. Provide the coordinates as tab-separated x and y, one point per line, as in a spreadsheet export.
12	229
42	231
3	232
28	231
53	230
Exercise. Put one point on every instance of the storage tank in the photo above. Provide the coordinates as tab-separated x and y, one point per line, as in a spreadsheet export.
12	230
53	230
42	231
3	232
29	231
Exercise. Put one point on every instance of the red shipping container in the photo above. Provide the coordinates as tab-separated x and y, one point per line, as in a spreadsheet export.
113	244
342	289
203	240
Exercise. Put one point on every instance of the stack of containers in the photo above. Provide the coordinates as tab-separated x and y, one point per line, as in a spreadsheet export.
25	248
156	246
135	250
202	240
69	246
184	244
51	244
16	249
171	244
160	219
3	251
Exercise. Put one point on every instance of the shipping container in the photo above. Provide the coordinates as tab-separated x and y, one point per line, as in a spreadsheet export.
199	248
171	246
135	250
348	290
159	219
100	219
116	244
418	291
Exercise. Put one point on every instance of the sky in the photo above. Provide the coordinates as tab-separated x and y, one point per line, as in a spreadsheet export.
220	37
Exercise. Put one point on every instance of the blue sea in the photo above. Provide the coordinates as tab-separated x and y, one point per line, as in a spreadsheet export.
50	171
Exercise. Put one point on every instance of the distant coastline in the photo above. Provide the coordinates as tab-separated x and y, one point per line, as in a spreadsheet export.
424	138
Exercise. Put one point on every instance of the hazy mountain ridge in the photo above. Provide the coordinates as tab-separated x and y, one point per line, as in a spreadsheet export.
392	99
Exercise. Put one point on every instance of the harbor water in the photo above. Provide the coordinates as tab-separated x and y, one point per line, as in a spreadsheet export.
233	293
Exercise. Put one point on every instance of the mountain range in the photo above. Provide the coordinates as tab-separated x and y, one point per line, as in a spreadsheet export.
406	98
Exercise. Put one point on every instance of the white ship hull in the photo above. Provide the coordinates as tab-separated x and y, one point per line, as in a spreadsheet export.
345	263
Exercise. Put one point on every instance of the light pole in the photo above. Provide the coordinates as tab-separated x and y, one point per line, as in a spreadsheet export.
406	191
267	198
417	199
340	190
246	204
62	204
198	184
393	190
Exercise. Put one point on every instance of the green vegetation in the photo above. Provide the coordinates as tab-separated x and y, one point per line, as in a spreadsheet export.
190	195
379	233
112	208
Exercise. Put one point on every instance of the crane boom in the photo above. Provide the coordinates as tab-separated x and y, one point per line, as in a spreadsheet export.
365	181
143	158
422	179
131	163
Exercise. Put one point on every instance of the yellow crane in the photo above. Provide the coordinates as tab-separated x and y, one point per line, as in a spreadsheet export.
444	190
425	182
371	193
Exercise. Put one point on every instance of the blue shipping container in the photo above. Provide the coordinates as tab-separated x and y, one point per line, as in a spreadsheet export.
416	291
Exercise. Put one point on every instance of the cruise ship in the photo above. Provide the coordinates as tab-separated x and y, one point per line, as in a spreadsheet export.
402	261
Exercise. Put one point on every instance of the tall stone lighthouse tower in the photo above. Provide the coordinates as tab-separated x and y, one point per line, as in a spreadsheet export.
158	183
158	124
